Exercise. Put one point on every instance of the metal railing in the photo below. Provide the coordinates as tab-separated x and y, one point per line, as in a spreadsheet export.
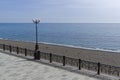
80	64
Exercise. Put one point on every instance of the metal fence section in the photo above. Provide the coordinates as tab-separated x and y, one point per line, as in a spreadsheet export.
57	58
44	55
14	49
21	50
30	52
6	47
71	61
89	65
111	70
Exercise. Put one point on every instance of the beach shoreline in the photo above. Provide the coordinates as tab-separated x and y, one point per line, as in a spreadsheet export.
104	57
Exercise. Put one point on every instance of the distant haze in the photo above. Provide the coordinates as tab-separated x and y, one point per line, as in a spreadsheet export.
60	11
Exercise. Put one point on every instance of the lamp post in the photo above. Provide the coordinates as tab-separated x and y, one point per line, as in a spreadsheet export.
36	54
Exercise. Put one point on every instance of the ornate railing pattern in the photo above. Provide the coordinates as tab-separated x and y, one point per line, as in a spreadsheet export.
111	70
44	55
71	61
89	65
30	52
57	58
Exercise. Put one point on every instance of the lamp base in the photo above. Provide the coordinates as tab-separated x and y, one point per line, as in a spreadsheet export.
36	47
37	55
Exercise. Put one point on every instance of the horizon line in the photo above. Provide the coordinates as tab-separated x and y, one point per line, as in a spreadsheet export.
62	22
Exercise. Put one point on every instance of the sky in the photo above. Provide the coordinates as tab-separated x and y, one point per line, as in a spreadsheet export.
60	11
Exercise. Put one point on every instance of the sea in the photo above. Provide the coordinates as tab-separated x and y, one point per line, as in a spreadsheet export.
98	36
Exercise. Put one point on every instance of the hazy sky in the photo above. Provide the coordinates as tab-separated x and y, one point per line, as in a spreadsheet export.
60	11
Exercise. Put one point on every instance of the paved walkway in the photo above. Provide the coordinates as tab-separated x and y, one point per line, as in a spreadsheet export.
15	68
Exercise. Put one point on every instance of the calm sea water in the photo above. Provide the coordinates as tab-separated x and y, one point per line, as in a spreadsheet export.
88	35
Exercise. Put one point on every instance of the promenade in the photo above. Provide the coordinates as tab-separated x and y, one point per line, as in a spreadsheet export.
16	68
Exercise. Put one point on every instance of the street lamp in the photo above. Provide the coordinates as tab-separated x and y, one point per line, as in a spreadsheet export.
36	54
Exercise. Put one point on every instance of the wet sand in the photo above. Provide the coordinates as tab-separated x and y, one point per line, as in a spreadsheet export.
105	57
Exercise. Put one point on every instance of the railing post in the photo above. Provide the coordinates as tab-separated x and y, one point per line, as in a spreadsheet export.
118	73
10	49
80	61
17	50
98	72
25	52
39	55
3	47
63	60
50	58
